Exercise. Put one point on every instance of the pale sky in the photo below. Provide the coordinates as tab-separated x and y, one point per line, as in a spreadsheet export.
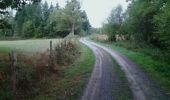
97	10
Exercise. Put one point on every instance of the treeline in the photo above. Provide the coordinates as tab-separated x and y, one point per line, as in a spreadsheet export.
37	20
146	21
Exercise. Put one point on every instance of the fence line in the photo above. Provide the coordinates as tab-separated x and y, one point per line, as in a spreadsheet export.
13	58
51	62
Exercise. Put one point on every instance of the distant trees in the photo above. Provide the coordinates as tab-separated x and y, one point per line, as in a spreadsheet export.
85	22
114	22
17	4
56	23
72	14
145	21
39	20
29	21
6	25
69	20
11	4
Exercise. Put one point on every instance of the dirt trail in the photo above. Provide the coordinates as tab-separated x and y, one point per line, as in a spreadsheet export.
94	89
142	86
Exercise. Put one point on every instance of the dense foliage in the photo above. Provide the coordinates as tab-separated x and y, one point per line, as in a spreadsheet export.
146	21
37	20
11	4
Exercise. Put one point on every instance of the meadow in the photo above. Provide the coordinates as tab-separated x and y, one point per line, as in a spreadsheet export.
33	46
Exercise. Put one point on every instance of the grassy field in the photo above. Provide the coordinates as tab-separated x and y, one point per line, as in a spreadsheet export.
26	45
155	68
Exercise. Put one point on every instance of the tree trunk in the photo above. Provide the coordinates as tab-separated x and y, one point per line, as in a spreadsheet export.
72	30
51	62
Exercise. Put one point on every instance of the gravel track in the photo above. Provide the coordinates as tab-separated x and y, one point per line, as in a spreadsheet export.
103	80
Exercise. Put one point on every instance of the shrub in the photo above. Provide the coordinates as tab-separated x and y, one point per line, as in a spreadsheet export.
29	73
66	52
5	73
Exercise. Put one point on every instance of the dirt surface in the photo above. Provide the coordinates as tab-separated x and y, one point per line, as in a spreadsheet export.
102	82
105	83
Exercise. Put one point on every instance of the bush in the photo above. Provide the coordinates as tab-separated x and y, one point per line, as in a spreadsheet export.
66	52
5	79
28	76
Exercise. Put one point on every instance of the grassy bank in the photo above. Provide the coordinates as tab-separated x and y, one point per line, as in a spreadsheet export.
70	85
154	67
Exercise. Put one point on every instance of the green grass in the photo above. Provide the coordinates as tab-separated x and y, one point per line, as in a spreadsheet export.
70	84
158	70
122	90
26	45
145	48
4	49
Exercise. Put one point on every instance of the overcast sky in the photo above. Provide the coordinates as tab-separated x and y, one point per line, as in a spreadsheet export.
97	10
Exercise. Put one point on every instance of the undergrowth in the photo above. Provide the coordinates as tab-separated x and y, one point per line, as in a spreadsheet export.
36	82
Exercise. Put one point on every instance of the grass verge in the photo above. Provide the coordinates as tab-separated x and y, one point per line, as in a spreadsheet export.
70	84
155	68
121	90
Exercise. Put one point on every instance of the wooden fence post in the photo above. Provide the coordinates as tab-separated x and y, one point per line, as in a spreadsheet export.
13	58
51	65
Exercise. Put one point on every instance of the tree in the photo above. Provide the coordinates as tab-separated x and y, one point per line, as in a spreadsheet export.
38	20
162	21
116	16
17	4
7	29
145	21
140	18
72	13
11	4
85	22
68	20
45	11
57	24
114	23
31	13
28	29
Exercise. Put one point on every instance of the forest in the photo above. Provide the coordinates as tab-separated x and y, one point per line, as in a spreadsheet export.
144	22
39	20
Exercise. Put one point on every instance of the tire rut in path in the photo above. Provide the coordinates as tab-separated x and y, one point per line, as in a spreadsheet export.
104	80
142	86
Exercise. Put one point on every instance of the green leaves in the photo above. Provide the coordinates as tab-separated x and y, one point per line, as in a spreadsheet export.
70	19
114	22
162	21
146	21
39	20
